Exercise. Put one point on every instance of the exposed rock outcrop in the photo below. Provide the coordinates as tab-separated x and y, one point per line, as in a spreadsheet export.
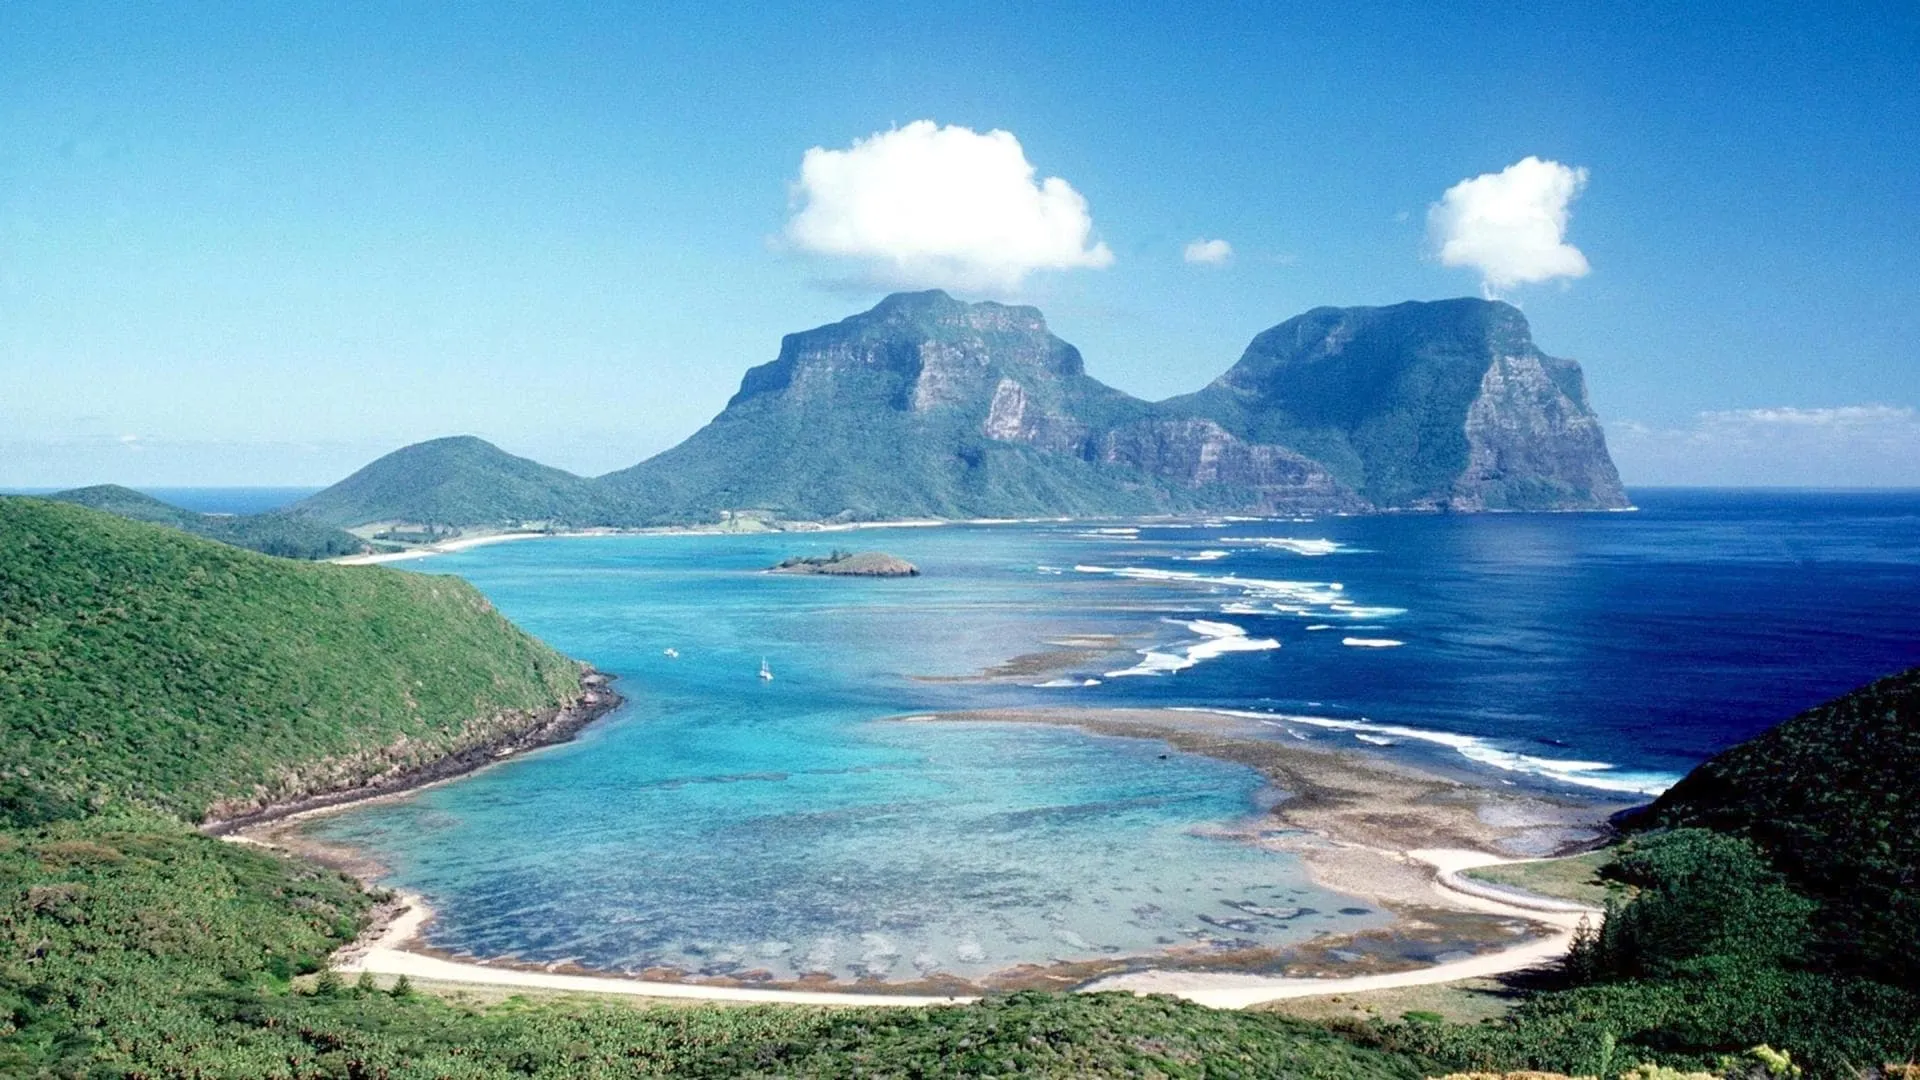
849	564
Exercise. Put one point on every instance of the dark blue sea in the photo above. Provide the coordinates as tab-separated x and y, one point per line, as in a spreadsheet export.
720	822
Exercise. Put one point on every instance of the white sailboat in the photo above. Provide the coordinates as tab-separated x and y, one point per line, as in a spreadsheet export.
766	673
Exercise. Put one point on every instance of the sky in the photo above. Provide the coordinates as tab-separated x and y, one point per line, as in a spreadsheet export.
263	244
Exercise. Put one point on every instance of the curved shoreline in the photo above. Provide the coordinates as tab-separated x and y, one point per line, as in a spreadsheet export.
596	699
1333	797
388	954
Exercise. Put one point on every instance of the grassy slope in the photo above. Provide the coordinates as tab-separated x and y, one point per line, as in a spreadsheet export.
1575	877
272	533
139	664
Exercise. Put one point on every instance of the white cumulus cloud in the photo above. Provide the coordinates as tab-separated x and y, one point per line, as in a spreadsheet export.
949	207
1208	252
1511	226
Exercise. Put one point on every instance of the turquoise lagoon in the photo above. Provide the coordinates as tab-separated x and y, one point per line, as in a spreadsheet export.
724	825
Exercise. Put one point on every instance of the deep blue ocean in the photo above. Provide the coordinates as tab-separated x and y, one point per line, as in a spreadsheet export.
726	824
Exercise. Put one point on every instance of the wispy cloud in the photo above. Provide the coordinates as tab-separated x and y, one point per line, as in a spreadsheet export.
1843	446
1203	252
949	207
1511	226
1863	417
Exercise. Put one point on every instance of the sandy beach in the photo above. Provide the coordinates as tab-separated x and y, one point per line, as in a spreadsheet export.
1361	825
463	543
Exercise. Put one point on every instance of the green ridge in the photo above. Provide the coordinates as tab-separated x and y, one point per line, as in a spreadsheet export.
144	666
460	481
273	533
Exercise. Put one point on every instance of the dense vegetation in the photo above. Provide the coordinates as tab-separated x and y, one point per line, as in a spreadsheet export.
1713	955
1833	797
273	533
140	665
462	481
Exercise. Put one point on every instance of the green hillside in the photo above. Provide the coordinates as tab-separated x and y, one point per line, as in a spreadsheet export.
1833	796
143	666
459	481
1774	894
273	533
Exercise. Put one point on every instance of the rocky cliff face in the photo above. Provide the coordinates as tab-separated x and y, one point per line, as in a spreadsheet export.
1533	443
1445	405
922	406
928	406
1224	472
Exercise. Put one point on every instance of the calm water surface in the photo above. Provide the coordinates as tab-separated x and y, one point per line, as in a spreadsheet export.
724	824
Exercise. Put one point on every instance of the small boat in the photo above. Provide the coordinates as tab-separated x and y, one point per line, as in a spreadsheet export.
766	673
673	654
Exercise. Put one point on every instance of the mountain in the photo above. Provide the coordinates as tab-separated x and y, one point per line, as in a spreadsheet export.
929	407
921	407
458	481
1833	796
1441	405
272	533
926	406
141	666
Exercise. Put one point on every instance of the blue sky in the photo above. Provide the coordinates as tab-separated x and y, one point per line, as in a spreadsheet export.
240	248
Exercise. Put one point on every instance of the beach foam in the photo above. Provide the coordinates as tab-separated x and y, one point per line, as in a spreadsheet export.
1289	543
1598	775
1371	643
1213	555
1217	639
1307	599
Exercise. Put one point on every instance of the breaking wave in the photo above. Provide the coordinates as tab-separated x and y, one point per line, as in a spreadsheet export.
1598	775
1216	639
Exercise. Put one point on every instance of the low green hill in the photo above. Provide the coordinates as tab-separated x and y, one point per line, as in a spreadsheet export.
143	666
272	533
459	481
1833	797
